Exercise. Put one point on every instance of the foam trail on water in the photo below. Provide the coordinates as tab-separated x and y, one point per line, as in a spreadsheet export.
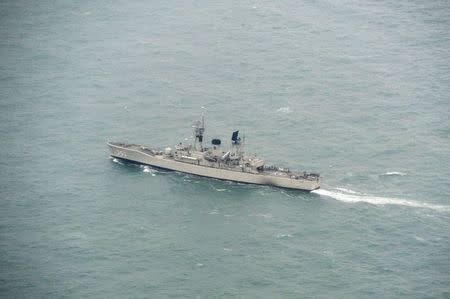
352	197
348	191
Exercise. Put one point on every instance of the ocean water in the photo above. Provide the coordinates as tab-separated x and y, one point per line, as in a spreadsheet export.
356	90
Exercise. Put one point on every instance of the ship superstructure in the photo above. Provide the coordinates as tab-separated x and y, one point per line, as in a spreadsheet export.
215	162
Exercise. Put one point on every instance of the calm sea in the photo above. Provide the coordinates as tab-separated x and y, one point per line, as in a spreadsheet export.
356	90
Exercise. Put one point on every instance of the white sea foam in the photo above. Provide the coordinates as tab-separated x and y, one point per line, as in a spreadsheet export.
115	160
421	240
394	173
149	170
348	191
282	236
284	110
350	196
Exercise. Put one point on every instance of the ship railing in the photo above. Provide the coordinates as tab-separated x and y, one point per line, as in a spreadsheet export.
123	144
147	150
277	171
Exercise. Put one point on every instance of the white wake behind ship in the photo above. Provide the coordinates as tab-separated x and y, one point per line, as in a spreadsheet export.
214	162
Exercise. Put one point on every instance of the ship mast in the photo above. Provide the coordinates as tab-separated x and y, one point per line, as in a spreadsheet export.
199	130
236	143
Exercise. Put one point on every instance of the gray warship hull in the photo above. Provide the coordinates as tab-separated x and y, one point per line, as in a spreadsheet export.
143	155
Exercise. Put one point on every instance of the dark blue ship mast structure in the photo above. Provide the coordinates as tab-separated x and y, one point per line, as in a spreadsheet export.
236	142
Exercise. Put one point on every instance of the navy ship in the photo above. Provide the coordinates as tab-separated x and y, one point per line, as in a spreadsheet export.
214	161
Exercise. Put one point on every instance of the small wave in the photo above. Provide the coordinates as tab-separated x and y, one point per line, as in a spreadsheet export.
267	216
348	191
149	170
398	173
353	197
144	42
421	240
221	190
262	193
282	236
115	160
287	194
284	110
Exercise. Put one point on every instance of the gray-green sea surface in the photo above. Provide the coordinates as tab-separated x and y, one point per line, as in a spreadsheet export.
356	90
